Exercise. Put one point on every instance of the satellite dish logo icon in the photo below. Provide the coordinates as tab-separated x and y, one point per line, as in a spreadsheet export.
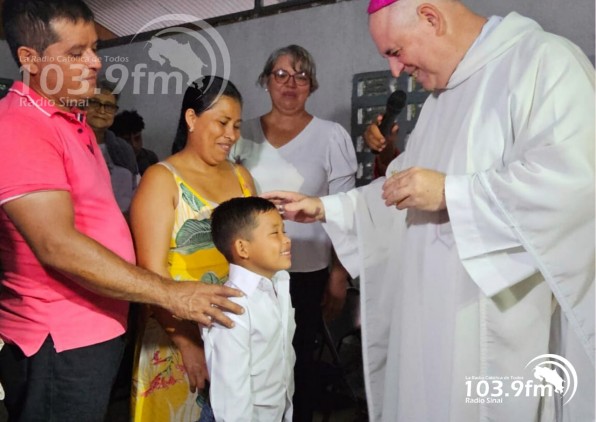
556	371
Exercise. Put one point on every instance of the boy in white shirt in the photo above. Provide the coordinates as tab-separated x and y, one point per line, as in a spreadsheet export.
251	365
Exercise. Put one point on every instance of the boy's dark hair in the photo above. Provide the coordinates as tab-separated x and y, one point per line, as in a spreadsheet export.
236	218
28	22
127	122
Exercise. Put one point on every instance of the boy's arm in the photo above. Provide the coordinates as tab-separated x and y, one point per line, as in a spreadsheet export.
228	359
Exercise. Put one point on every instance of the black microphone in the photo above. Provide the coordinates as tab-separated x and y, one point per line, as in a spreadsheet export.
395	103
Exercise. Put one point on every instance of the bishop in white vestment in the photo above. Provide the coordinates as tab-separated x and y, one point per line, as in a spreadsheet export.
460	305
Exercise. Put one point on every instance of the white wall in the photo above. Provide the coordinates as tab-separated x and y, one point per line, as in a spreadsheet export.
337	37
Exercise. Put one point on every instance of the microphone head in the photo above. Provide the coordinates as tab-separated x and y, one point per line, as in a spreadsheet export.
396	101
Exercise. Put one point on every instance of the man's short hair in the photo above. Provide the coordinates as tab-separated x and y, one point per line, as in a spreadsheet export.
127	122
28	22
236	218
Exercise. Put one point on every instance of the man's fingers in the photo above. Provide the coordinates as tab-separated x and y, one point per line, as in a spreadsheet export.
282	196
192	386
216	315
374	139
296	207
224	304
204	320
230	292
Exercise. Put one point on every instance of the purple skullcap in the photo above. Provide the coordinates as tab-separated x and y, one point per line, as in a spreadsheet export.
375	5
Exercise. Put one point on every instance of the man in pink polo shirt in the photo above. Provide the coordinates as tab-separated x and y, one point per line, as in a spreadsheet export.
65	248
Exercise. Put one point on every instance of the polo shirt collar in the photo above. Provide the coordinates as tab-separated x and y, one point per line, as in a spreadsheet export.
43	104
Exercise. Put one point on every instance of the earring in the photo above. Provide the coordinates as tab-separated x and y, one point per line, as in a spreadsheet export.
191	129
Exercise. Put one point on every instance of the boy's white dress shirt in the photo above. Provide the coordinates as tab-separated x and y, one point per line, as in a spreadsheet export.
251	365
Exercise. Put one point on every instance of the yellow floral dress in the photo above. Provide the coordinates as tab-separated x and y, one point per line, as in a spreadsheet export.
160	389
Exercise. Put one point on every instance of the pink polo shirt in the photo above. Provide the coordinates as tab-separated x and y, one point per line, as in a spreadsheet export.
41	149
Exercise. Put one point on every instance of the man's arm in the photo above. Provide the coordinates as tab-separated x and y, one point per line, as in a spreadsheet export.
46	221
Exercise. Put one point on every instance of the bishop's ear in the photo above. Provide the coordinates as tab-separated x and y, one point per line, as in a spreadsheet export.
430	14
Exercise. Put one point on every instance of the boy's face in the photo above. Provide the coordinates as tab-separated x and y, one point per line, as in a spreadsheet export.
269	247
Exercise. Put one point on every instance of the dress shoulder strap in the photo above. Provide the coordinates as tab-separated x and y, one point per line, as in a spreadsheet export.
184	188
243	185
170	167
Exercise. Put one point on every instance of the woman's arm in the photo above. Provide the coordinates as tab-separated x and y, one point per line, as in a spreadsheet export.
152	221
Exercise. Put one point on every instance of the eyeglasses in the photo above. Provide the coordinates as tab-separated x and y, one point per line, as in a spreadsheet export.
281	77
97	105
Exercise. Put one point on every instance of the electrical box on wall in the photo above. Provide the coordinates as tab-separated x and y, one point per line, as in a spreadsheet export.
4	85
370	91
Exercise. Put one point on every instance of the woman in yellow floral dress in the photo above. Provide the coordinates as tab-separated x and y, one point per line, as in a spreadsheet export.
170	220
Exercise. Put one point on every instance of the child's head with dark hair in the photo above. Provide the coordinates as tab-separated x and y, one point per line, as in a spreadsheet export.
127	122
250	232
129	125
236	218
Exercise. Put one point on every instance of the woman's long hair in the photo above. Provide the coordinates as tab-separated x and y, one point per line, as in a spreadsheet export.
201	96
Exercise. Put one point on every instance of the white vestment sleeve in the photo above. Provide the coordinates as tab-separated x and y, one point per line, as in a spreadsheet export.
535	210
491	252
339	225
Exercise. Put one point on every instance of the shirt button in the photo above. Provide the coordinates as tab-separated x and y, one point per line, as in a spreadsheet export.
80	130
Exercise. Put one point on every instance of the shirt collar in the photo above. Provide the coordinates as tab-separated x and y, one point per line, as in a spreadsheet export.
45	105
248	281
487	28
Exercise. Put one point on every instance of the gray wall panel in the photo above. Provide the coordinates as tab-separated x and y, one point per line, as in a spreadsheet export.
336	35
